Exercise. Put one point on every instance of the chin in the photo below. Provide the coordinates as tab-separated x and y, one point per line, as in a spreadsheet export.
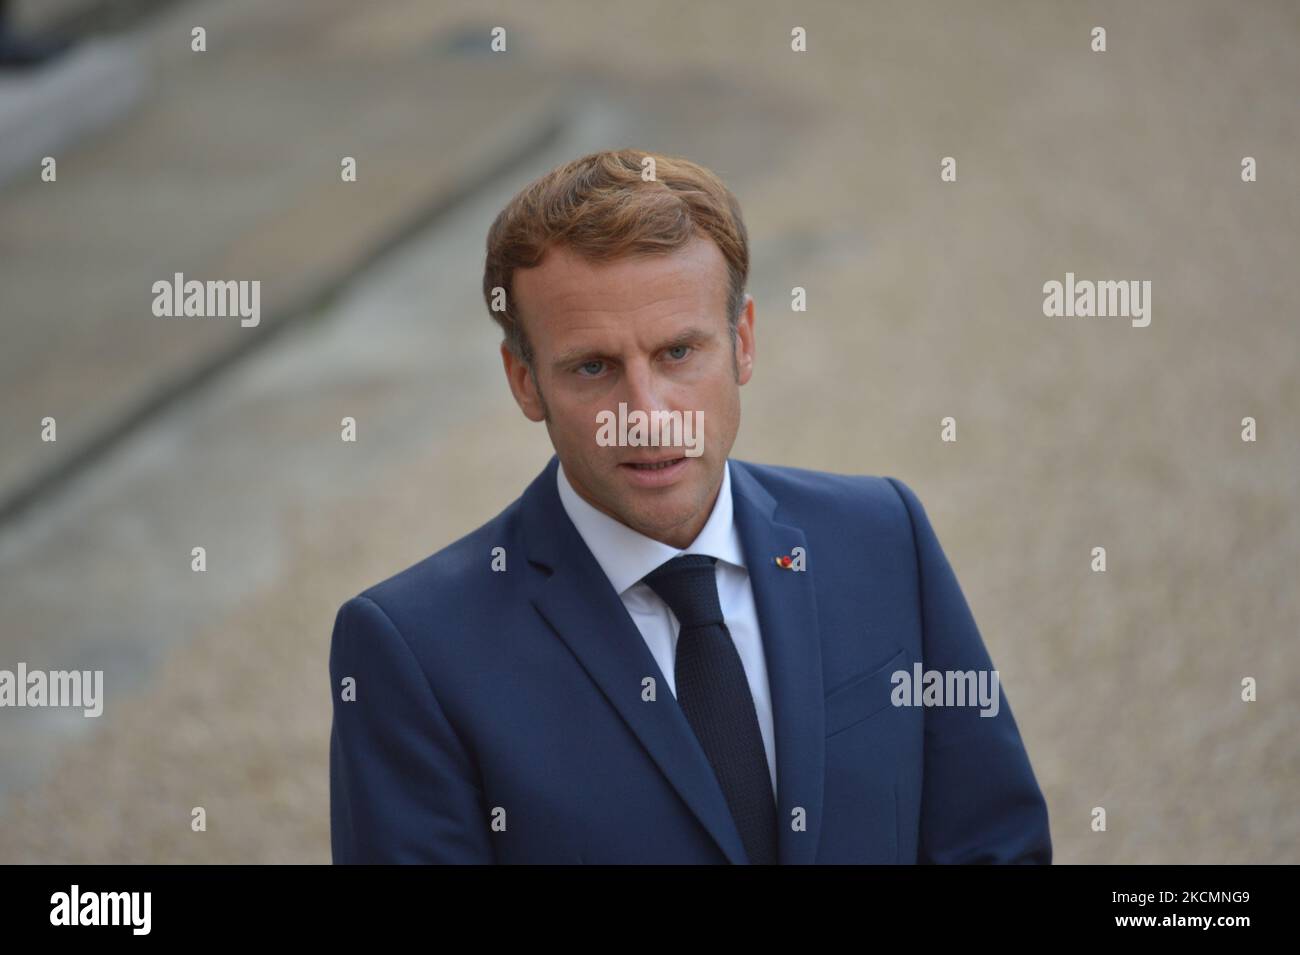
656	522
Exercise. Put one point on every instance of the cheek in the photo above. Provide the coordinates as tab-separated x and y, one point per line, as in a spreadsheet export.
722	411
578	423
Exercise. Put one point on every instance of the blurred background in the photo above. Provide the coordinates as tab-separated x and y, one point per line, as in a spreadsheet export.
925	300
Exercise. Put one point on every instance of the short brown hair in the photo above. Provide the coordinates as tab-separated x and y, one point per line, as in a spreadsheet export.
601	208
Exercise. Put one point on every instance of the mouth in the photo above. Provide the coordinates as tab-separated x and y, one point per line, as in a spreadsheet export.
653	465
654	473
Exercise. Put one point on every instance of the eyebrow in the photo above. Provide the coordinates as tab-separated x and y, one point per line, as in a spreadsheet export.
582	354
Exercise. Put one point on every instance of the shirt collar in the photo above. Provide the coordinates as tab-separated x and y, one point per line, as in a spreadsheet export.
626	555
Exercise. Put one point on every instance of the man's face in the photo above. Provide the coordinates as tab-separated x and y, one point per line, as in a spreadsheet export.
650	332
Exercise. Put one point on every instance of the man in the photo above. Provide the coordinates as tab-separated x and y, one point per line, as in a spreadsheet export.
657	654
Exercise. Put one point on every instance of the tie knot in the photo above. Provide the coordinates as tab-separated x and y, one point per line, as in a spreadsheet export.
689	586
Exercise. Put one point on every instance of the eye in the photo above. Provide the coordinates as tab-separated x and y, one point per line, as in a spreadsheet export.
673	352
586	369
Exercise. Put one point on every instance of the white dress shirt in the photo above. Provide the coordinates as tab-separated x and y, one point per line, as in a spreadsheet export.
626	556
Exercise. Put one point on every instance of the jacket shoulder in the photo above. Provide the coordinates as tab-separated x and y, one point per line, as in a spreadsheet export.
440	578
878	498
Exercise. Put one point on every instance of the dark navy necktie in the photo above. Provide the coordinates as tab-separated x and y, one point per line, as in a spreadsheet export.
714	694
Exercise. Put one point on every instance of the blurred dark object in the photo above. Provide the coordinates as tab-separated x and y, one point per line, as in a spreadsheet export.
23	52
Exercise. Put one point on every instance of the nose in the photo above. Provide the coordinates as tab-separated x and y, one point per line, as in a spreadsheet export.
644	390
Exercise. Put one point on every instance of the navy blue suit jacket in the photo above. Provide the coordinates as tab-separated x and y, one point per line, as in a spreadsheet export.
499	715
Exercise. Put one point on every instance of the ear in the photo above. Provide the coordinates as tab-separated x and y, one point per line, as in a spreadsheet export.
522	385
745	340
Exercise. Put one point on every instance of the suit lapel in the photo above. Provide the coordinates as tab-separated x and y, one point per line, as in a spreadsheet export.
787	618
582	607
585	612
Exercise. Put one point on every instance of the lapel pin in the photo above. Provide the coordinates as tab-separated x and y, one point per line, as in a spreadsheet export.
796	560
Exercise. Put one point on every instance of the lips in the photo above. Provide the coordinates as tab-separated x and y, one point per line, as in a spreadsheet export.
657	464
655	473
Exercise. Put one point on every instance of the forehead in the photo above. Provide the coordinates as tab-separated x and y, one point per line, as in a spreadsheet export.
567	292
